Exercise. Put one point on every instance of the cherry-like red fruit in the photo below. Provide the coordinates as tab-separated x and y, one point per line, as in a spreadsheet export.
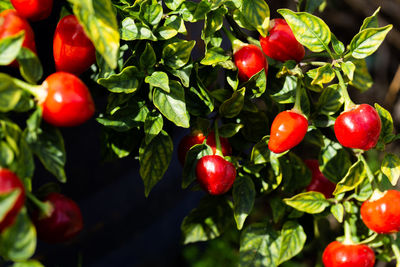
187	142
287	131
319	183
358	127
72	49
12	23
249	60
280	43
9	182
337	254
33	10
64	222
215	174
68	101
382	215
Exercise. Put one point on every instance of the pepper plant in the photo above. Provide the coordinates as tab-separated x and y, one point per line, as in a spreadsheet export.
257	112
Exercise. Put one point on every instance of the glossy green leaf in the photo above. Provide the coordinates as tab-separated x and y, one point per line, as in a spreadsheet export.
391	168
18	242
183	74
338	211
26	165
325	74
152	125
10	47
256	13
152	14
5	4
309	30
127	81
244	194
100	24
148	58
330	100
214	56
172	105
6	154
29	66
334	161
165	32
132	30
287	92
10	94
232	107
386	121
28	263
173	4
257	83
7	201
355	175
349	68
337	45
193	155
177	54
229	129
372	21
293	239
260	153
176	23
213	22
154	160
310	202
362	80
159	79
278	208
368	41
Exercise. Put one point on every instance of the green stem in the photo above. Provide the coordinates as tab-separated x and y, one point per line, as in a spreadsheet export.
313	63
347	233
396	251
297	104
45	207
348	103
217	141
236	43
370	175
36	90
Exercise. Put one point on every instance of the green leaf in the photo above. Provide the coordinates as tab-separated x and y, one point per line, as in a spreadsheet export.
353	178
338	211
293	239
386	120
193	155
207	221
309	30
278	208
325	74
173	4
372	21
152	14
6	154
7	201
127	81
214	56
213	22
391	168
152	125
159	79
337	45
310	202
10	94
28	263
148	58
334	161
256	13
312	5
176	23
131	30
177	54
49	147
257	83
362	80
183	74
172	105
10	47
26	165
330	100
368	41
260	153
287	92
154	160
349	68
29	65
244	194
100	24
230	129
5	4
18	242
232	107
165	32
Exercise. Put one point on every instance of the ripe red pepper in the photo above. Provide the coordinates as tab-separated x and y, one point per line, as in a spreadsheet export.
64	222
319	183
67	100
287	131
338	254
382	215
72	49
34	10
358	127
198	138
9	181
280	43
249	60
11	24
215	174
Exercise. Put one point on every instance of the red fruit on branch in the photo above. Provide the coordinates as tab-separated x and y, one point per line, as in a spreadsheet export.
226	148
249	60
9	182
287	131
280	43
337	254
34	10
358	127
12	23
215	174
63	223
67	100
319	183
382	214
187	142
72	49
